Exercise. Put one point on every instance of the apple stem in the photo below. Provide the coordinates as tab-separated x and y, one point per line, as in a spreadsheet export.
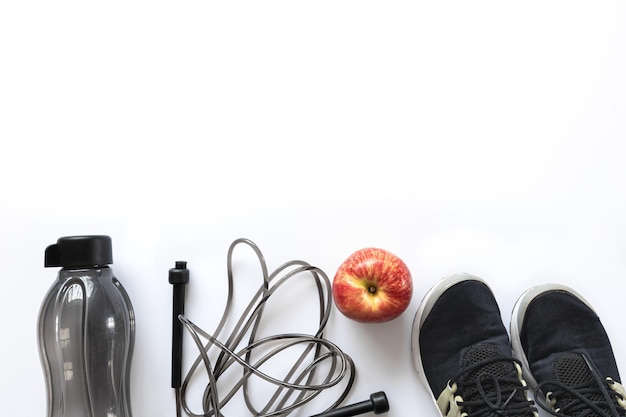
372	289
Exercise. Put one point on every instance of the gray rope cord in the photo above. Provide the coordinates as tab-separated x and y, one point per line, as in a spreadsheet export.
326	361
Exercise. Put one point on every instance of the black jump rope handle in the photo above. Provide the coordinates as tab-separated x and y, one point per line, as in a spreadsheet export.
377	404
178	277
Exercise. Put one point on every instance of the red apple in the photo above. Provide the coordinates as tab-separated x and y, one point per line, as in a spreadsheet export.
372	286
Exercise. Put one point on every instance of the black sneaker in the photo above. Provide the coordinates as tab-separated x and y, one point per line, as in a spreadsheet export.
566	354
462	352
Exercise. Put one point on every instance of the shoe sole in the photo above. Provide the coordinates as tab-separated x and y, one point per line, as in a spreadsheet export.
517	319
424	309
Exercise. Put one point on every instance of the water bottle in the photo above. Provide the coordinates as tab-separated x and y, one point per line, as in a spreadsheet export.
86	332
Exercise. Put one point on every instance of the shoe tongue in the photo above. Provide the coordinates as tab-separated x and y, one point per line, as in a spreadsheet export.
572	370
483	351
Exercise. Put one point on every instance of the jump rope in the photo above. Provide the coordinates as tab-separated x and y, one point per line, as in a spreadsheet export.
319	366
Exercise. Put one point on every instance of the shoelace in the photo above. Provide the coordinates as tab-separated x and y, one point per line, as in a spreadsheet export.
486	394
592	398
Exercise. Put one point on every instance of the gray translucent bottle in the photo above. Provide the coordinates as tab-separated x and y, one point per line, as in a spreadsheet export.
86	332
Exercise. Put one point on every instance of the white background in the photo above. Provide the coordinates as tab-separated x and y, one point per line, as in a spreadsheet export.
486	137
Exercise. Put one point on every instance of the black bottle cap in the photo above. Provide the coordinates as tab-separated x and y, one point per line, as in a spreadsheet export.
79	251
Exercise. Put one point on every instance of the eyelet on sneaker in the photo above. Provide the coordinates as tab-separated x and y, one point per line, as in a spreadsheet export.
550	399
619	390
446	400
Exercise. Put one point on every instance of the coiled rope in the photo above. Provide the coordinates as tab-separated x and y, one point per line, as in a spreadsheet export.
320	365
